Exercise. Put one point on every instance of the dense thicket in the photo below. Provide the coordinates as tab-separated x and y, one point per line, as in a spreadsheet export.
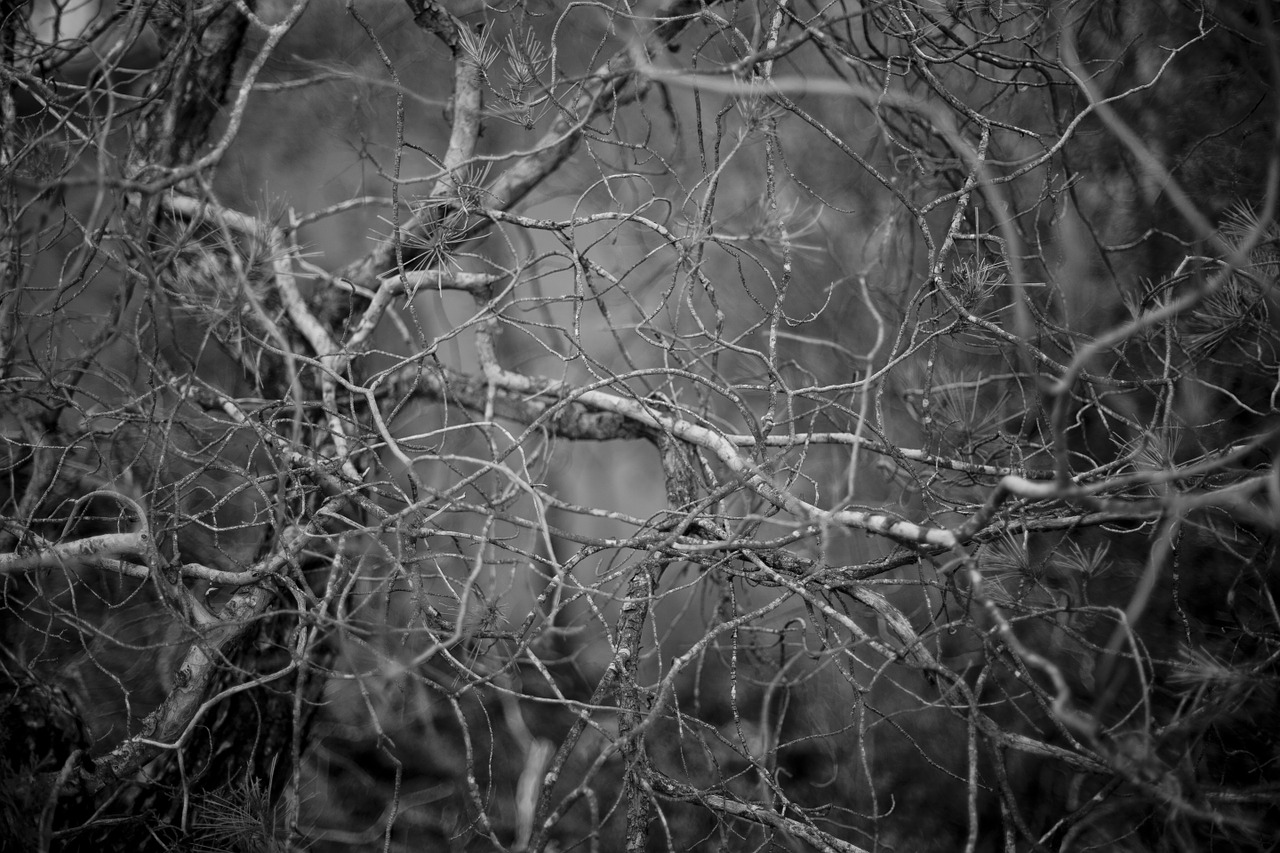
669	425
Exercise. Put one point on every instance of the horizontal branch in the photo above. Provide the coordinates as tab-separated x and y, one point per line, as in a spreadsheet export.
723	449
802	439
562	418
595	415
107	550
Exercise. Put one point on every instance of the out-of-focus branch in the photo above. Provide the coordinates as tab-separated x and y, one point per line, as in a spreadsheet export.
175	124
177	134
432	15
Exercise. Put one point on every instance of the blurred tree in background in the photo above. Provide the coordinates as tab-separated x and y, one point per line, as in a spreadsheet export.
668	425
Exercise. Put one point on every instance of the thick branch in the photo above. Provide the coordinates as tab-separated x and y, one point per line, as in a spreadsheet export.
185	102
93	551
165	727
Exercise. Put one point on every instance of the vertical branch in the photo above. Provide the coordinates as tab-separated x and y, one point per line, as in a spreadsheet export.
11	16
679	470
183	102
